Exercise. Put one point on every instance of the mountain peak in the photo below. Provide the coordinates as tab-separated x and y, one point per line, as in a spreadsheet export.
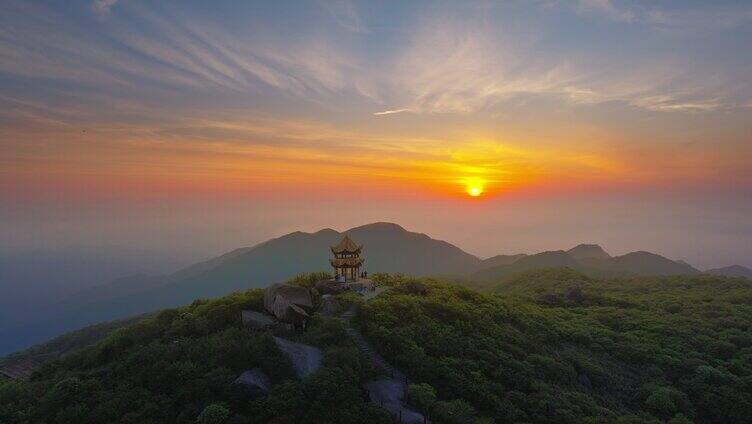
588	251
648	263
379	226
731	271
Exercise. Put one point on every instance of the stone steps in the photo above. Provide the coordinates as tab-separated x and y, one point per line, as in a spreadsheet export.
366	350
398	381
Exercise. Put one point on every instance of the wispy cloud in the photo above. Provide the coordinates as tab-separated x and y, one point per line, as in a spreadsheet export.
346	15
605	8
439	64
178	50
701	19
391	112
456	67
669	103
103	7
451	66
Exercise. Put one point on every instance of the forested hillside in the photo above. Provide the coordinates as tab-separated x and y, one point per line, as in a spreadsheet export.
179	366
550	346
556	346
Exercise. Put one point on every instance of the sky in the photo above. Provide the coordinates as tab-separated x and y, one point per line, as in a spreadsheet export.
502	127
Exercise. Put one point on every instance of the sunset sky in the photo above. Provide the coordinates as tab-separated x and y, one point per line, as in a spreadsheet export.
200	126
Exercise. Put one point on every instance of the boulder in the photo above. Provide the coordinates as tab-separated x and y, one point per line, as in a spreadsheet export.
330	287
305	359
288	312
254	382
390	394
299	296
256	320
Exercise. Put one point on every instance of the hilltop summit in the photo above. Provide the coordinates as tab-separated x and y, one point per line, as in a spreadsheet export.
588	251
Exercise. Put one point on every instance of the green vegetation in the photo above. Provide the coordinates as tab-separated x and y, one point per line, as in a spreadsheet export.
551	346
179	365
556	346
72	341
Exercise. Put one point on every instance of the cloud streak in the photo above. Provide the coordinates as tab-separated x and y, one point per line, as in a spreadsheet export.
103	7
605	8
461	68
391	112
459	64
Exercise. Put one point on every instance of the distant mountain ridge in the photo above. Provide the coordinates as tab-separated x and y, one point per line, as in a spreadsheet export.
499	260
593	260
732	271
387	248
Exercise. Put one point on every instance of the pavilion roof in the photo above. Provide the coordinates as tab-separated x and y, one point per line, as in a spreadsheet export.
346	262
346	245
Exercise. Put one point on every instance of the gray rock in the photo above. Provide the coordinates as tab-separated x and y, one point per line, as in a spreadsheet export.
305	359
385	390
389	394
254	382
296	295
330	287
288	312
257	320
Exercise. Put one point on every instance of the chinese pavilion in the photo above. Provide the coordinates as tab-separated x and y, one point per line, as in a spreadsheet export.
346	261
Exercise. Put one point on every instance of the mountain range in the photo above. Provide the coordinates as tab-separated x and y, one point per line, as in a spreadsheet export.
592	260
387	248
732	271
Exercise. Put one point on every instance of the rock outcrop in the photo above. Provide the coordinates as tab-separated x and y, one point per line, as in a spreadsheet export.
305	359
257	320
390	394
254	382
290	304
299	296
330	287
288	312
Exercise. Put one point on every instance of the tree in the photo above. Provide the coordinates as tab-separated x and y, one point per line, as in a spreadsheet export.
422	396
456	411
215	413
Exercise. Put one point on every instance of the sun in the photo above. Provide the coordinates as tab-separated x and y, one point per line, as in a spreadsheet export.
474	191
474	186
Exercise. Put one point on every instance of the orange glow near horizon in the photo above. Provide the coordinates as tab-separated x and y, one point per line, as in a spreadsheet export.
143	161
